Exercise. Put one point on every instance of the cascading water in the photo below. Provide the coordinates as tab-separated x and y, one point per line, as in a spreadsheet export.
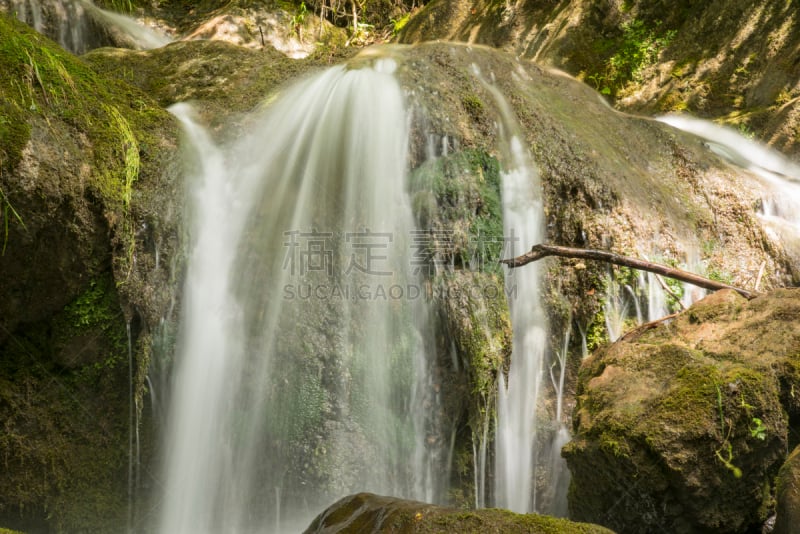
303	352
140	36
779	177
517	402
518	458
69	22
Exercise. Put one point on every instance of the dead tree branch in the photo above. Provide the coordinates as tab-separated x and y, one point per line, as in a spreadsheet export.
541	251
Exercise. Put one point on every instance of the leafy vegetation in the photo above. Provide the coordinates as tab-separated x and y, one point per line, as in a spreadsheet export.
636	48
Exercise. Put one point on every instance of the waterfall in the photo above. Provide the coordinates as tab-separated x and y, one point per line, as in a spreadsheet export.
778	177
519	462
63	21
304	345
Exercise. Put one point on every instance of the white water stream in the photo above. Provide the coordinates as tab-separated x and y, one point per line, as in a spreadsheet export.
302	371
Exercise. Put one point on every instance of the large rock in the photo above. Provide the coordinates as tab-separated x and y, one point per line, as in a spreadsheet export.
223	80
684	425
90	203
365	512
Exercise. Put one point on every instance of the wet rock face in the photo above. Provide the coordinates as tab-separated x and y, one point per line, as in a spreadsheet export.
788	495
90	205
365	512
683	427
70	24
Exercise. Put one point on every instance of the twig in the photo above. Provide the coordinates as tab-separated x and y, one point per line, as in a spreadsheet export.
647	326
760	274
671	293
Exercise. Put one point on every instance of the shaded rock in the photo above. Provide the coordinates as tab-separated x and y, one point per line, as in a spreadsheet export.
91	201
683	426
365	512
727	58
788	495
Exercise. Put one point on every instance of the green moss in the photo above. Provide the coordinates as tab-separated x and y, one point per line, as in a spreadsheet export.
637	46
597	333
370	513
94	314
478	310
14	134
94	307
115	127
690	400
457	197
473	105
65	445
714	273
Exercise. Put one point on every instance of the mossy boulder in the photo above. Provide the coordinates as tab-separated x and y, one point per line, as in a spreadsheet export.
683	426
365	512
90	205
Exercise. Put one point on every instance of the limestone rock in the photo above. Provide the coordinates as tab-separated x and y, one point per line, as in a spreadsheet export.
90	203
727	58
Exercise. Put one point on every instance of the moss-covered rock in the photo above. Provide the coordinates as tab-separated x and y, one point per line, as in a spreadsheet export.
365	512
90	205
456	200
223	79
683	426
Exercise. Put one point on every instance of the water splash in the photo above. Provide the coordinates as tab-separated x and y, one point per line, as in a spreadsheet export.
285	399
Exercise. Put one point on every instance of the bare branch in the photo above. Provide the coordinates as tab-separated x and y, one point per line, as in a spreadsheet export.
541	251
